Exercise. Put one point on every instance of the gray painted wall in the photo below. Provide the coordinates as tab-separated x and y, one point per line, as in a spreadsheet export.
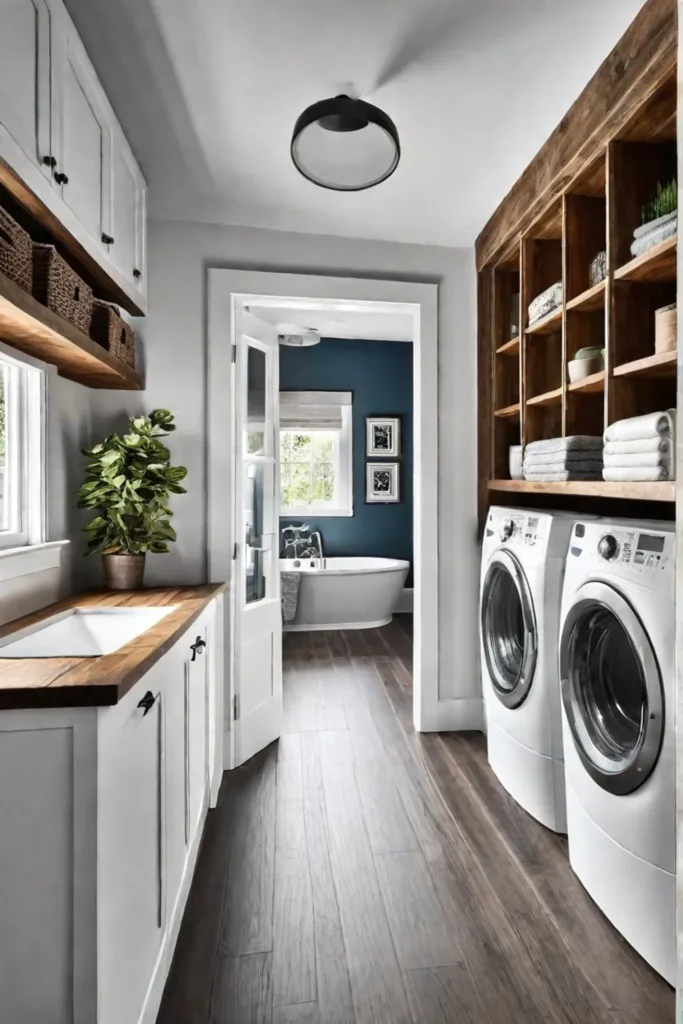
174	342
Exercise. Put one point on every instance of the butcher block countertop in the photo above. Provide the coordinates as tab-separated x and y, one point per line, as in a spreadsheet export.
103	680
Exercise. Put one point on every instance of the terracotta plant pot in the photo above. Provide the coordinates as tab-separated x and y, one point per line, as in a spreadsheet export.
123	572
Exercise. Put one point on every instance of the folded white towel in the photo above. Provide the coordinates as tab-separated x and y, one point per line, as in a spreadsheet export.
550	474
563	459
654	237
660	443
634	474
654	225
639	427
638	459
575	443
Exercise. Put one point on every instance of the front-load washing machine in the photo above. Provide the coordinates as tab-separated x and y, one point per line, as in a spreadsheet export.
523	561
616	667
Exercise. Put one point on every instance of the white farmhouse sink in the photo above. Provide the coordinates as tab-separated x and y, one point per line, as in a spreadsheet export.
81	632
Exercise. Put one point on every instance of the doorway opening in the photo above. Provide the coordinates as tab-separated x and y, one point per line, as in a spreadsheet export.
323	478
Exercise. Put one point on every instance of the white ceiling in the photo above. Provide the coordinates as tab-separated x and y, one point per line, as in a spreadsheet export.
208	92
368	326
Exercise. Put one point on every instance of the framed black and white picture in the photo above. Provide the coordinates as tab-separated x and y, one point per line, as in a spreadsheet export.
383	437
382	483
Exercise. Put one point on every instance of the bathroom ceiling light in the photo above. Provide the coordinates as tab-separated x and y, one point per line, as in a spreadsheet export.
299	340
345	144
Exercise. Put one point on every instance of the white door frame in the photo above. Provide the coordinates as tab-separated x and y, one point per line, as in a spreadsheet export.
228	289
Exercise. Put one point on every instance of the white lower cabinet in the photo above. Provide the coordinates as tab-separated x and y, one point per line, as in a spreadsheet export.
102	812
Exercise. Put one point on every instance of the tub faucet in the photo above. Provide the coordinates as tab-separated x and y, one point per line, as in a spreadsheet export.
317	538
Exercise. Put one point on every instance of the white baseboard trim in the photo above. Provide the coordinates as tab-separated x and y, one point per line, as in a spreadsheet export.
464	715
405	602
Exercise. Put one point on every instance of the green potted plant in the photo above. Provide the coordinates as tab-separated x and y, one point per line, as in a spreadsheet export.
128	480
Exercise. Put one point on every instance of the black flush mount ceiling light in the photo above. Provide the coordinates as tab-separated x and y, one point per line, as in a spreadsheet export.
345	144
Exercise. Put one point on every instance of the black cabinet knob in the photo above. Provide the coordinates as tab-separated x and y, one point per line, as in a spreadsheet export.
137	274
147	702
61	178
49	161
107	239
197	647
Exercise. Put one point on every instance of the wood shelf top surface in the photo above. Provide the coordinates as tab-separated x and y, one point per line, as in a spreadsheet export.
659	364
549	324
508	411
664	491
592	299
510	348
553	397
589	385
29	326
656	265
99	681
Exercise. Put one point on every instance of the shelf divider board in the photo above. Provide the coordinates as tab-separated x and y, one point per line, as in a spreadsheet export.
592	384
659	364
613	161
29	326
664	491
510	348
657	264
554	397
549	324
507	412
592	299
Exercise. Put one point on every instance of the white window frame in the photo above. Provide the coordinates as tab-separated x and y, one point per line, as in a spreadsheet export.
25	487
343	508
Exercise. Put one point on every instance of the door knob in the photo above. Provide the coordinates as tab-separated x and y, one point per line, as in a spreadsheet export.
197	647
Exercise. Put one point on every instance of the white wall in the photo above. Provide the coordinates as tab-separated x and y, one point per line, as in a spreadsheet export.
174	341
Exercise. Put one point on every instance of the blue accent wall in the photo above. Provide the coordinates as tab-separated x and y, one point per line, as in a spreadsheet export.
380	376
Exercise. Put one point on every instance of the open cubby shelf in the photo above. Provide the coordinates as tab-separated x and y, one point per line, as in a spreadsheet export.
592	221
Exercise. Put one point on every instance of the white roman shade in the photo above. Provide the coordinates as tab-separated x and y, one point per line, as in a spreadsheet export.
313	410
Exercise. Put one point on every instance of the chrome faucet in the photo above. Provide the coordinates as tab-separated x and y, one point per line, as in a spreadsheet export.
319	542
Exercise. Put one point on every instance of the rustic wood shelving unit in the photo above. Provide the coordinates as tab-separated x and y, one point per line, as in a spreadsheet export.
583	194
27	325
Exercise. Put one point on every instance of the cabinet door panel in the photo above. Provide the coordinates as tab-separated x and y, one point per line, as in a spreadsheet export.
128	202
25	76
197	729
131	848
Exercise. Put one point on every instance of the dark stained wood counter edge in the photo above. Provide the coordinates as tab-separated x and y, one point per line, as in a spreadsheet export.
101	681
641	61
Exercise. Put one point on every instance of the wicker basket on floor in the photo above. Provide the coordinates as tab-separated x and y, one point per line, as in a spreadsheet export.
112	332
16	252
60	288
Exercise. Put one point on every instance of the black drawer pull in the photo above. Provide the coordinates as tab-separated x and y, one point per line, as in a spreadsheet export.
61	178
107	239
197	647
147	702
137	274
49	161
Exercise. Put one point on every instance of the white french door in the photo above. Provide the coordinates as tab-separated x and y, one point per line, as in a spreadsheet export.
256	646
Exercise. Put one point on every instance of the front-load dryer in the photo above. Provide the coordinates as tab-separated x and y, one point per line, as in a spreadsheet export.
616	656
523	561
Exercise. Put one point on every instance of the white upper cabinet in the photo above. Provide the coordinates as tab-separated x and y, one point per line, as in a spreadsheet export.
60	136
82	140
25	70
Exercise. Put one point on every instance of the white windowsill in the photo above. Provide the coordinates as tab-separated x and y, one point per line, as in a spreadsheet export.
316	513
24	561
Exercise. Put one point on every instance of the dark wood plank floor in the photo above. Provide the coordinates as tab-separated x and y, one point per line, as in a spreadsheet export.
359	873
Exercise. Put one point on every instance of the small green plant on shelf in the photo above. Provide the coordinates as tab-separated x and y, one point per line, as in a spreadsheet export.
128	480
664	202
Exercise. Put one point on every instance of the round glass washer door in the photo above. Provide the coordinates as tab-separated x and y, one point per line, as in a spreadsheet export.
611	689
508	629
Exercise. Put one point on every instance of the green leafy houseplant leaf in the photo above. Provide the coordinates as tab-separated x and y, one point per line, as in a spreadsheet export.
128	481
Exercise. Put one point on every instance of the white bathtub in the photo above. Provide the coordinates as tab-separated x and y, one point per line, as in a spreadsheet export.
349	593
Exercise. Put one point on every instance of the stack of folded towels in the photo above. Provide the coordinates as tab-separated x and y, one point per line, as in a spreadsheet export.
564	458
641	448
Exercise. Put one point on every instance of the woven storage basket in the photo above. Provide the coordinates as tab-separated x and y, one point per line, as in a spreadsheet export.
16	252
110	331
60	288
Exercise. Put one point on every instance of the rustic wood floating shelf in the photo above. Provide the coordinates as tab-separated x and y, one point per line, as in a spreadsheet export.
510	348
553	397
656	265
592	299
661	364
27	325
589	385
549	324
664	491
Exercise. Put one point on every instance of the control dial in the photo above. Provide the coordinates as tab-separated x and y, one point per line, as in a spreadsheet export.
608	546
507	529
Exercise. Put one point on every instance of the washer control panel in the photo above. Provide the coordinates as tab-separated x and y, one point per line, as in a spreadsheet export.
644	552
518	529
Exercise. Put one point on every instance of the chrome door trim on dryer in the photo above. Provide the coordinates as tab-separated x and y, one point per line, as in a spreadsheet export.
618	753
511	684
